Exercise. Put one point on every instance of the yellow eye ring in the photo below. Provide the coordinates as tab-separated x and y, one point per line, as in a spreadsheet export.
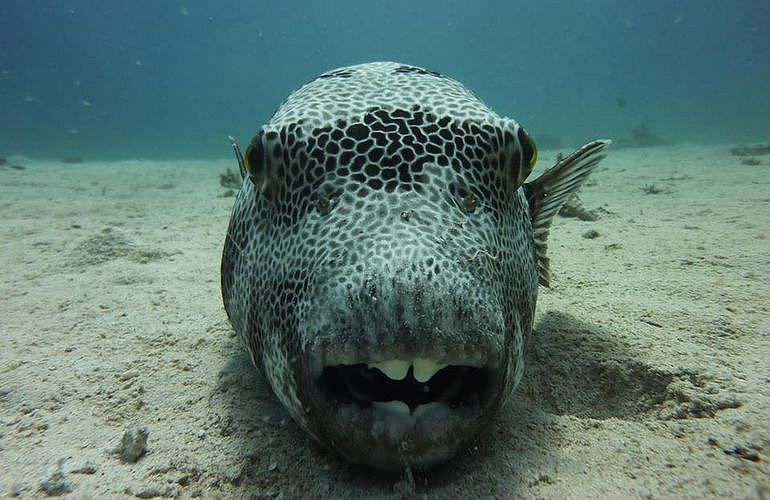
246	162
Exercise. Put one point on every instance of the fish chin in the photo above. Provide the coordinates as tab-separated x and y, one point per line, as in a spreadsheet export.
390	438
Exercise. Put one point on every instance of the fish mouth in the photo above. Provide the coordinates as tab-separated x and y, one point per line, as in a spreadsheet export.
402	387
405	412
406	379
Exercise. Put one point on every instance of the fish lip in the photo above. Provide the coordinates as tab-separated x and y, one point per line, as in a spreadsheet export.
333	331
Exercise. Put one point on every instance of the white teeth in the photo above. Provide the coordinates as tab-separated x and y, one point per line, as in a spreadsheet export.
424	369
397	369
393	368
393	407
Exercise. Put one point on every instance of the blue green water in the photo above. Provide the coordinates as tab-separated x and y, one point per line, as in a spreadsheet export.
171	79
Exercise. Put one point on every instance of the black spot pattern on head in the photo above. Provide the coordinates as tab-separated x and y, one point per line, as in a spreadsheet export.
387	149
343	73
416	70
358	131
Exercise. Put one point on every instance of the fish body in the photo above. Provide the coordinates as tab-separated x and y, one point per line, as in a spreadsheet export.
383	257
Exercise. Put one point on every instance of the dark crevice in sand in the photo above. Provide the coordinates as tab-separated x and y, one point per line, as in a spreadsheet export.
577	369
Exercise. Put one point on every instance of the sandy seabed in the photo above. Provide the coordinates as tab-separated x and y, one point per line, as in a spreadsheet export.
648	374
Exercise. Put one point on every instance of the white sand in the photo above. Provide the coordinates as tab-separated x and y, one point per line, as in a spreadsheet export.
651	358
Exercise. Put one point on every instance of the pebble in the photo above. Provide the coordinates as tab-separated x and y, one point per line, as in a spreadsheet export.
128	374
56	485
132	446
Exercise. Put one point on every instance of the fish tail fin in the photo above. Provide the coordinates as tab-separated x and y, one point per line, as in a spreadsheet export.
549	191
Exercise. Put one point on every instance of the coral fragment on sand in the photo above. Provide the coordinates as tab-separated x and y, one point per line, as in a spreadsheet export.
132	446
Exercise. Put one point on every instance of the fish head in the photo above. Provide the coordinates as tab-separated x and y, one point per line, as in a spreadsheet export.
391	277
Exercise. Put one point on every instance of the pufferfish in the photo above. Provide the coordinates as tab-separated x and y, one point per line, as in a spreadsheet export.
383	258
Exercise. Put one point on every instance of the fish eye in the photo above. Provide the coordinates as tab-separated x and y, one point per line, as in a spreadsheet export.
255	157
528	148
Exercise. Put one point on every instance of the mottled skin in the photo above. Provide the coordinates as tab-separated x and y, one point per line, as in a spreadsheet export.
383	217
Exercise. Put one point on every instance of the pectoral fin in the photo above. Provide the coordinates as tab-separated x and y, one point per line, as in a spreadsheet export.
549	191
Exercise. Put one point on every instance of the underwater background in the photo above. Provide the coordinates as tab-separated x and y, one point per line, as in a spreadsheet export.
647	374
172	79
